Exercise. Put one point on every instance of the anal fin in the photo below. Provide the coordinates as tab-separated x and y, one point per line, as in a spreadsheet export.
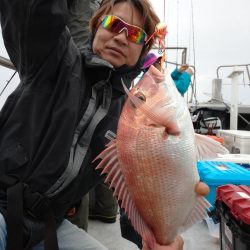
198	214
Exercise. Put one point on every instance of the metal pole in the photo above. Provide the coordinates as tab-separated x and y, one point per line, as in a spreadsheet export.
234	99
184	56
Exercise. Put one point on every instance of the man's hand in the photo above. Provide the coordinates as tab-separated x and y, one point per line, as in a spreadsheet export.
176	245
201	189
183	68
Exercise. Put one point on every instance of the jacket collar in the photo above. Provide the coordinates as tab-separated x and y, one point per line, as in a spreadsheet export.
107	72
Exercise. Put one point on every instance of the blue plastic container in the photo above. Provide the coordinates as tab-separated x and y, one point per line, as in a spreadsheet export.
215	174
247	166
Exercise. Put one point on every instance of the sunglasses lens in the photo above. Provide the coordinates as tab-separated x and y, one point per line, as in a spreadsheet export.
112	24
115	25
137	35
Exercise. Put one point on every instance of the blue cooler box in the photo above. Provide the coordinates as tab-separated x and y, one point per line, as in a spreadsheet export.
215	174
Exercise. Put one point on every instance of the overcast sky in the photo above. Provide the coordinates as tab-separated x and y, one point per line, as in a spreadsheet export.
218	35
221	37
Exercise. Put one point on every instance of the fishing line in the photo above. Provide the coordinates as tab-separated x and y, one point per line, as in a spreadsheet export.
177	31
189	39
193	84
192	14
166	16
164	9
8	83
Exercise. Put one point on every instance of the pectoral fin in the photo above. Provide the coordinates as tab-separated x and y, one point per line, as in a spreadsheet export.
208	148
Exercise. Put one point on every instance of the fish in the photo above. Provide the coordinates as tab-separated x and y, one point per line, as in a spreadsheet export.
151	164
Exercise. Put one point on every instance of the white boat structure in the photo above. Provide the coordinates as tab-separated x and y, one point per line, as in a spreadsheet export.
231	115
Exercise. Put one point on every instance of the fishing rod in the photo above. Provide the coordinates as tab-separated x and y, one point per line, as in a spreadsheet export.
6	63
6	85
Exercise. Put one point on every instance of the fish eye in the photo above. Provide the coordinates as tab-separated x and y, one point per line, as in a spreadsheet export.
141	96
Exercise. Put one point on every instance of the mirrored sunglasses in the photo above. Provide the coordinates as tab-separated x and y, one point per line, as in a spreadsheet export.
116	25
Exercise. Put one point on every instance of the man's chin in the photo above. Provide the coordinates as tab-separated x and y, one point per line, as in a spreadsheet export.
115	63
113	60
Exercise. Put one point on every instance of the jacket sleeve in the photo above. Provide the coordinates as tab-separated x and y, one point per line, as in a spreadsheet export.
175	74
182	83
31	29
78	21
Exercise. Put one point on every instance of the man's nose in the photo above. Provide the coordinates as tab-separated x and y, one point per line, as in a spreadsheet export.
122	35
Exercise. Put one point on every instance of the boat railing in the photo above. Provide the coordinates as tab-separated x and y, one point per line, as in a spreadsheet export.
232	66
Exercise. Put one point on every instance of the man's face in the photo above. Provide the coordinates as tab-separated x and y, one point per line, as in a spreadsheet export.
116	48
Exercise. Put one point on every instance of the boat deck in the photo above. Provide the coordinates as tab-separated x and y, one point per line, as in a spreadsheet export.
196	238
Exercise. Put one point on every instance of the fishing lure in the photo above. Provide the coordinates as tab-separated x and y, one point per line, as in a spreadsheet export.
159	35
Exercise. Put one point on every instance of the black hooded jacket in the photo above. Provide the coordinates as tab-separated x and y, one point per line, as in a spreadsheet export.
40	119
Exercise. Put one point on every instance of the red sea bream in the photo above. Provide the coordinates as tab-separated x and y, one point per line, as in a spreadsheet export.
152	162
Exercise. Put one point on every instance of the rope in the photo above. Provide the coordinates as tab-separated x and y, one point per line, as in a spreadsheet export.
164	10
193	84
166	16
177	31
189	39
